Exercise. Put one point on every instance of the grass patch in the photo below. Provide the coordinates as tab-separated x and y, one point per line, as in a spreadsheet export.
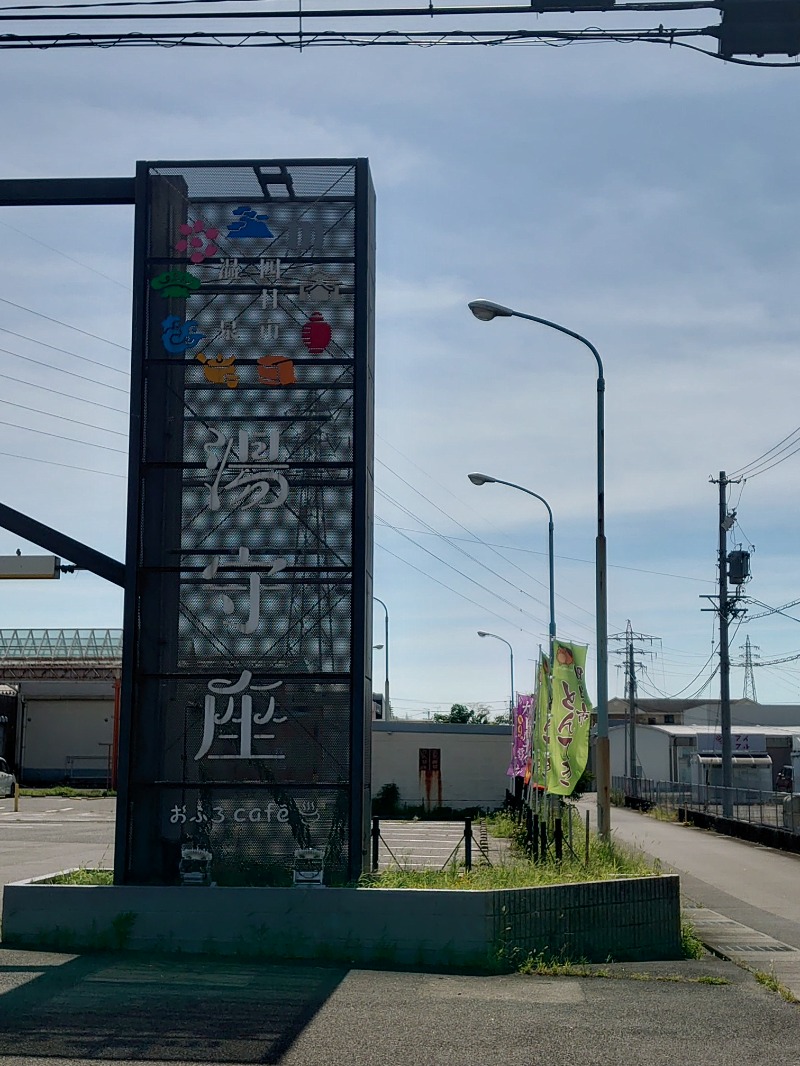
770	981
691	947
544	965
68	793
607	862
83	877
664	814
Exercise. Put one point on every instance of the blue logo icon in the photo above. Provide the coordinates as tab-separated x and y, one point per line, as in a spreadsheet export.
180	337
249	224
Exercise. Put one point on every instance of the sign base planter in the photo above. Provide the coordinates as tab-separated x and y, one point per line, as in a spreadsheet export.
635	919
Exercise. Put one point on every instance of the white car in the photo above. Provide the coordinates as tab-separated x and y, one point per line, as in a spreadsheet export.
6	780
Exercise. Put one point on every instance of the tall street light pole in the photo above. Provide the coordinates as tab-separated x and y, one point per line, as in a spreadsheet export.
484	479
387	708
481	633
486	310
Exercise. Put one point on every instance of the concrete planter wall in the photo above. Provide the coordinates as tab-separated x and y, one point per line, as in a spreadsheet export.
636	919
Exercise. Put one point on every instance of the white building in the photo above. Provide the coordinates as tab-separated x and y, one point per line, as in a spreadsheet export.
436	764
665	752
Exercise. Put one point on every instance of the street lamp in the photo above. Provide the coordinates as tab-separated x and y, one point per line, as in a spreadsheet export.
486	310
387	709
484	479
511	650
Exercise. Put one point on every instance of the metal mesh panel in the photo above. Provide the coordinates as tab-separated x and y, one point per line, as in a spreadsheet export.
242	730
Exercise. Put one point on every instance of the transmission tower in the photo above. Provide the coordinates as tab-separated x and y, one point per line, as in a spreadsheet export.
630	664
749	692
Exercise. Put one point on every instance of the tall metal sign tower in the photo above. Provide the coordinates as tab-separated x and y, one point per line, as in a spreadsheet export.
246	677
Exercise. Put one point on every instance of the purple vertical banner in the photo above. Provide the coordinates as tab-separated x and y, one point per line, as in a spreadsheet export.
520	741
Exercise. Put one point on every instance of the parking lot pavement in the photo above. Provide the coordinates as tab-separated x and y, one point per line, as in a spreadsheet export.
51	833
81	1010
432	845
56	808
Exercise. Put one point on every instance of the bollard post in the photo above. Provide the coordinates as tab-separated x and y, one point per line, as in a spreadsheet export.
376	837
586	851
16	796
558	834
468	843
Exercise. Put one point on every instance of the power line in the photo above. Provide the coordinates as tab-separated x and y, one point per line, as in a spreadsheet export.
461	573
451	589
61	370
64	466
742	471
71	440
58	251
563	558
67	325
465	553
62	418
65	351
67	395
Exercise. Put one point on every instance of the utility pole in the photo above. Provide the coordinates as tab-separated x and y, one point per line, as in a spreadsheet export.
726	609
630	638
724	651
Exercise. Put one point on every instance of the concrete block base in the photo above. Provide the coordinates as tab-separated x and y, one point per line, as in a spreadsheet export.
637	919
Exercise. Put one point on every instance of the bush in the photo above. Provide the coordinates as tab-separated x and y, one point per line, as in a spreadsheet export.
386	801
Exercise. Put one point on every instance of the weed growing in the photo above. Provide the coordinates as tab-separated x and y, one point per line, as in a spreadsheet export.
607	862
770	981
83	877
690	945
65	792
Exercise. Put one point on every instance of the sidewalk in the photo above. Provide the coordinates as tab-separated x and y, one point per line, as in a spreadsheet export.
729	887
747	947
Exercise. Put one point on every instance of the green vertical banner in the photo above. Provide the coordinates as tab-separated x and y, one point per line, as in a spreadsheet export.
570	719
539	752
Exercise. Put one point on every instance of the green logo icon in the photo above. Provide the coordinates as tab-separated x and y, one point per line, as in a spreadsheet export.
175	283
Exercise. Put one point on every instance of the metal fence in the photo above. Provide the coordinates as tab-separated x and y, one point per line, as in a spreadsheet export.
776	810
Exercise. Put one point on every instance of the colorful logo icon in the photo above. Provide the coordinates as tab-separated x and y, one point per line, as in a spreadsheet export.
276	370
248	223
175	283
178	336
219	370
197	240
316	334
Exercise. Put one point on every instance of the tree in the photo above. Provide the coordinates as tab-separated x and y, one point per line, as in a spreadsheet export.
461	714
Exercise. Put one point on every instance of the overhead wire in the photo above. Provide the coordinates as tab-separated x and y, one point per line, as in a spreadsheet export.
450	588
63	370
467	577
71	440
68	395
61	418
64	466
67	325
475	539
65	351
742	470
70	258
461	551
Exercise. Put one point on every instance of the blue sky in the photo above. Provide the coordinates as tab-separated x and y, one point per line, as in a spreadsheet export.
642	196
